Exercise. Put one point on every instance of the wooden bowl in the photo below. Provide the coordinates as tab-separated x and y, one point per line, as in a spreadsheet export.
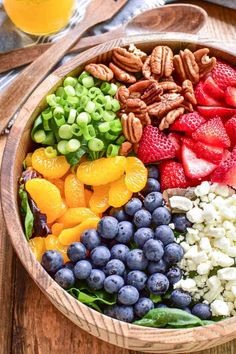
19	143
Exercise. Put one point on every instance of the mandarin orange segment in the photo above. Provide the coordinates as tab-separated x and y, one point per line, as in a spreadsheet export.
136	174
101	171
87	195
37	245
59	183
52	243
74	216
74	192
119	194
46	196
57	228
99	200
73	234
49	167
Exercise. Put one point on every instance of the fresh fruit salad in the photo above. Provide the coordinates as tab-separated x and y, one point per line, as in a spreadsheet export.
128	197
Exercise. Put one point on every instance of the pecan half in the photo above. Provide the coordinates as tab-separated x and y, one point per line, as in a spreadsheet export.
169	86
122	75
161	61
152	93
188	92
146	69
168	103
125	148
140	86
122	94
186	66
126	60
170	118
132	128
100	71
139	108
205	63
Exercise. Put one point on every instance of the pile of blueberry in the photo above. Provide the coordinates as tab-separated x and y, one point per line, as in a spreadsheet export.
132	254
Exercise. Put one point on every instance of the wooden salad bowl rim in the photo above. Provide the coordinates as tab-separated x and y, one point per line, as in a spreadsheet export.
113	331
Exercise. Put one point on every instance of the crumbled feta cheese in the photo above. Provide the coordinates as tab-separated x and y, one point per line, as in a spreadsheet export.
222	243
181	203
205	244
202	189
221	190
195	215
215	231
204	268
221	259
227	273
172	225
186	285
219	308
209	212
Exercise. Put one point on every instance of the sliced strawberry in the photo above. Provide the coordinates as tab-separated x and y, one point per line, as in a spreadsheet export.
194	167
188	122
172	175
230	127
203	98
155	146
230	96
226	171
212	89
176	141
211	112
213	133
224	74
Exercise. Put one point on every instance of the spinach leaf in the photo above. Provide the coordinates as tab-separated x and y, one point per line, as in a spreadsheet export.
155	298
74	157
27	213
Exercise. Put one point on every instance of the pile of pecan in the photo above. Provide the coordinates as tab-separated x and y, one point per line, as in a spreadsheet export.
157	89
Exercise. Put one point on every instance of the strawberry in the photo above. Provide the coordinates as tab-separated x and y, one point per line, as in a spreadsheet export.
203	98
230	96
226	171
154	146
230	127
211	112
176	141
224	74
188	122
194	167
213	133
212	89
172	175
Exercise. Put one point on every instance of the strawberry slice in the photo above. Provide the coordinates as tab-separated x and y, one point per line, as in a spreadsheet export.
188	122
207	152
224	74
213	133
194	167
226	171
176	141
230	96
211	112
154	146
172	175
230	127
212	89
203	98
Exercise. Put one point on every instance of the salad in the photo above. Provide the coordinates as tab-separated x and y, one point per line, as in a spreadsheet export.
128	198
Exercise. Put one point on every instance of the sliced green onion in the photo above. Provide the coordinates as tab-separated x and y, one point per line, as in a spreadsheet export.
97	114
115	105
62	147
50	152
108	101
84	100
97	82
108	116
113	89
88	132
39	136
90	107
69	90
93	92
76	130
83	119
70	81
81	90
50	139
47	114
38	125
109	136
83	75
88	81
116	126
73	145
60	92
72	116
95	144
73	100
120	140
65	132
105	87
104	127
112	150
51	100
100	100
60	120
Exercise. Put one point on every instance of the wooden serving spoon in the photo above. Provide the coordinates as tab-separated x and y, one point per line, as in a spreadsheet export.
170	18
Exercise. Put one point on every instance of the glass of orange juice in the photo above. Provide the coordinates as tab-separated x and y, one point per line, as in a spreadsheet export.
39	17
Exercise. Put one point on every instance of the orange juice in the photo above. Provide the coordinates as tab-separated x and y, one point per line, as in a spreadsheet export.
39	17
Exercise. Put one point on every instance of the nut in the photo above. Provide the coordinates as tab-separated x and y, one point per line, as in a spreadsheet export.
186	67
146	69
152	93
139	108
205	63
122	94
140	86
132	128
122	75
187	106
161	61
126	148
126	60
168	103
169	86
188	92
100	71
170	118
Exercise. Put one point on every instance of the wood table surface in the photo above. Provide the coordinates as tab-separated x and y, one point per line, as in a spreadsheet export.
29	323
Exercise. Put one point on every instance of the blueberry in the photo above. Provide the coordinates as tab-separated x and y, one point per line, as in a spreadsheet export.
90	239
114	266
153	200
65	278
82	269
136	260
96	279
153	250
133	205
108	227
157	267
187	309
119	214
110	311
52	261
113	283
143	306
161	306
152	186
153	171
173	253
76	251
142	218
142	235
125	231
137	279
120	252
128	295
174	275
100	256
181	222
202	311
164	234
161	216
69	265
124	313
180	298
158	284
